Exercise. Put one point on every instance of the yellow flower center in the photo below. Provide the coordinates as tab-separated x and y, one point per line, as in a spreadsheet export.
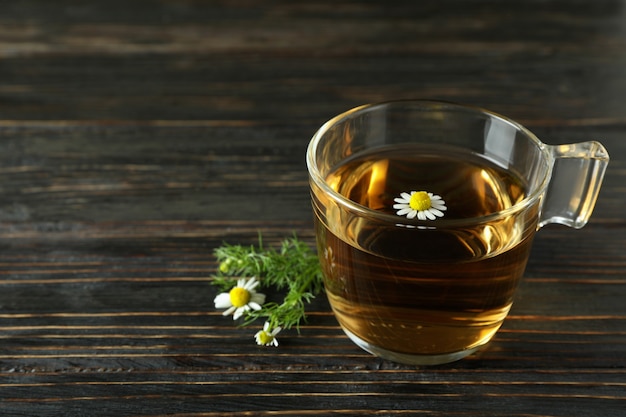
239	297
265	338
420	201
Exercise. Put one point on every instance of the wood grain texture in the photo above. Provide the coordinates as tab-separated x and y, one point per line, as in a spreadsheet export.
137	136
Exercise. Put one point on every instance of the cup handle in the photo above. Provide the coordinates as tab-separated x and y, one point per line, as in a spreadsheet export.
577	173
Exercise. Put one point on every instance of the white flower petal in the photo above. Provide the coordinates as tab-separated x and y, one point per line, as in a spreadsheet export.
436	212
421	215
404	211
222	300
412	214
239	312
430	215
258	298
229	311
407	196
250	284
254	306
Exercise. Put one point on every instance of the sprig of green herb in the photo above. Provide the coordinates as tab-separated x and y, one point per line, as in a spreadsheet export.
293	268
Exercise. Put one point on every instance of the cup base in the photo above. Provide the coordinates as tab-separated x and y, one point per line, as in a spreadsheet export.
408	358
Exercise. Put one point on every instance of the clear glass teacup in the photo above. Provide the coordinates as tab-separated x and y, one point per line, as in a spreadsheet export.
425	213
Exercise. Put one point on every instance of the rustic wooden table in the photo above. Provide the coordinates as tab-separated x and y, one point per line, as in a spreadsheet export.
136	136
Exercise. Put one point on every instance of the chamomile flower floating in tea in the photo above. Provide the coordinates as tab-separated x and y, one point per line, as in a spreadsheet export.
241	298
420	204
267	336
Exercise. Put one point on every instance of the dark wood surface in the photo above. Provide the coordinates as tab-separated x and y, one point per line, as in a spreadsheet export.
136	136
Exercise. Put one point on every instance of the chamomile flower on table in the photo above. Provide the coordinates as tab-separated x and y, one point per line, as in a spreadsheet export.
241	298
295	267
267	336
420	204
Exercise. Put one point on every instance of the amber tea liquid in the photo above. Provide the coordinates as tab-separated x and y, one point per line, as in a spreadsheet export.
408	289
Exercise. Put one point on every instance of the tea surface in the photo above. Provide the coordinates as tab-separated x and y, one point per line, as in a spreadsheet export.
422	289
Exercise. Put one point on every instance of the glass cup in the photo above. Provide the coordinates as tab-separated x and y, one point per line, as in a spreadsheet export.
424	215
